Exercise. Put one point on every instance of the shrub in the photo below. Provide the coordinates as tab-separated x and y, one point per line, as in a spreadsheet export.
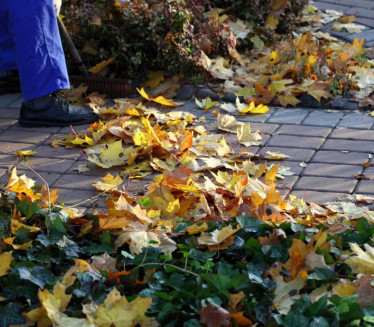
162	35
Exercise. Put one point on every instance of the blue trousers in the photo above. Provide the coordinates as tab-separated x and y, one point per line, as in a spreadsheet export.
30	42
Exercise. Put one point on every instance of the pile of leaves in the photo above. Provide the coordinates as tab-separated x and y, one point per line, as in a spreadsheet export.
139	265
211	242
211	45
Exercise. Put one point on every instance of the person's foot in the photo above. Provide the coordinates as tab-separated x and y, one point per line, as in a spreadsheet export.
9	82
55	111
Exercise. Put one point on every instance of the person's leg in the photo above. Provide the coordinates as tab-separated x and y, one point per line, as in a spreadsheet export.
38	49
9	80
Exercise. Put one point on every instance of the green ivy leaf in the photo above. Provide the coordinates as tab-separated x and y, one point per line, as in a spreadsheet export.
9	315
37	275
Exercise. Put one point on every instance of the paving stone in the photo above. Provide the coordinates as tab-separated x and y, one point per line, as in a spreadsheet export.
18	127
294	141
304	130
332	170
294	165
7	99
317	197
16	104
47	151
68	130
358	121
368	35
360	12
261	118
7	160
264	128
34	137
349	158
365	186
288	116
349	145
50	178
287	183
370	44
94	170
10	148
365	21
295	154
85	198
9	113
6	124
57	166
352	134
369	172
320	118
312	183
75	181
332	6
358	3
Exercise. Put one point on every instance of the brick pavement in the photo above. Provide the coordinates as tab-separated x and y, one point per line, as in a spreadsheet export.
328	149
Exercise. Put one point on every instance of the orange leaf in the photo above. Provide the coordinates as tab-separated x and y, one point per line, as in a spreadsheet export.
240	319
187	141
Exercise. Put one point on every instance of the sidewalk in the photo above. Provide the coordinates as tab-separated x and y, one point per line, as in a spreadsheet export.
329	150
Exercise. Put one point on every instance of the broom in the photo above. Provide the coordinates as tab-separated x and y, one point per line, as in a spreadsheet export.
114	88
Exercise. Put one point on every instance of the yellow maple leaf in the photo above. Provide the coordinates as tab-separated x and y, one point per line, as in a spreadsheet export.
246	137
361	262
26	153
253	109
108	183
112	155
272	21
100	66
288	99
5	260
154	78
160	99
217	237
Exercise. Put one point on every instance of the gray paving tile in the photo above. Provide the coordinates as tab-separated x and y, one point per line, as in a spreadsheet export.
367	34
358	3
261	118
16	104
18	127
369	172
360	12
264	128
352	134
295	154
288	116
70	197
10	148
8	160
295	141
365	21
358	121
348	158
75	181
294	165
333	6
47	151
55	165
332	170
321	118
365	186
304	130
7	99
9	113
7	123
317	197
50	178
312	183
349	145
34	137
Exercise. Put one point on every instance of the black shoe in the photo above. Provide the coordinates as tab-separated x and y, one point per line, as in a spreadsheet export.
57	112
10	83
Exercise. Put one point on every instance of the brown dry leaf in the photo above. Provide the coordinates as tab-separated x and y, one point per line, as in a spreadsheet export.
213	315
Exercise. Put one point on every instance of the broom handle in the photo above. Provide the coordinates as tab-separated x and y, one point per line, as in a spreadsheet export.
72	48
